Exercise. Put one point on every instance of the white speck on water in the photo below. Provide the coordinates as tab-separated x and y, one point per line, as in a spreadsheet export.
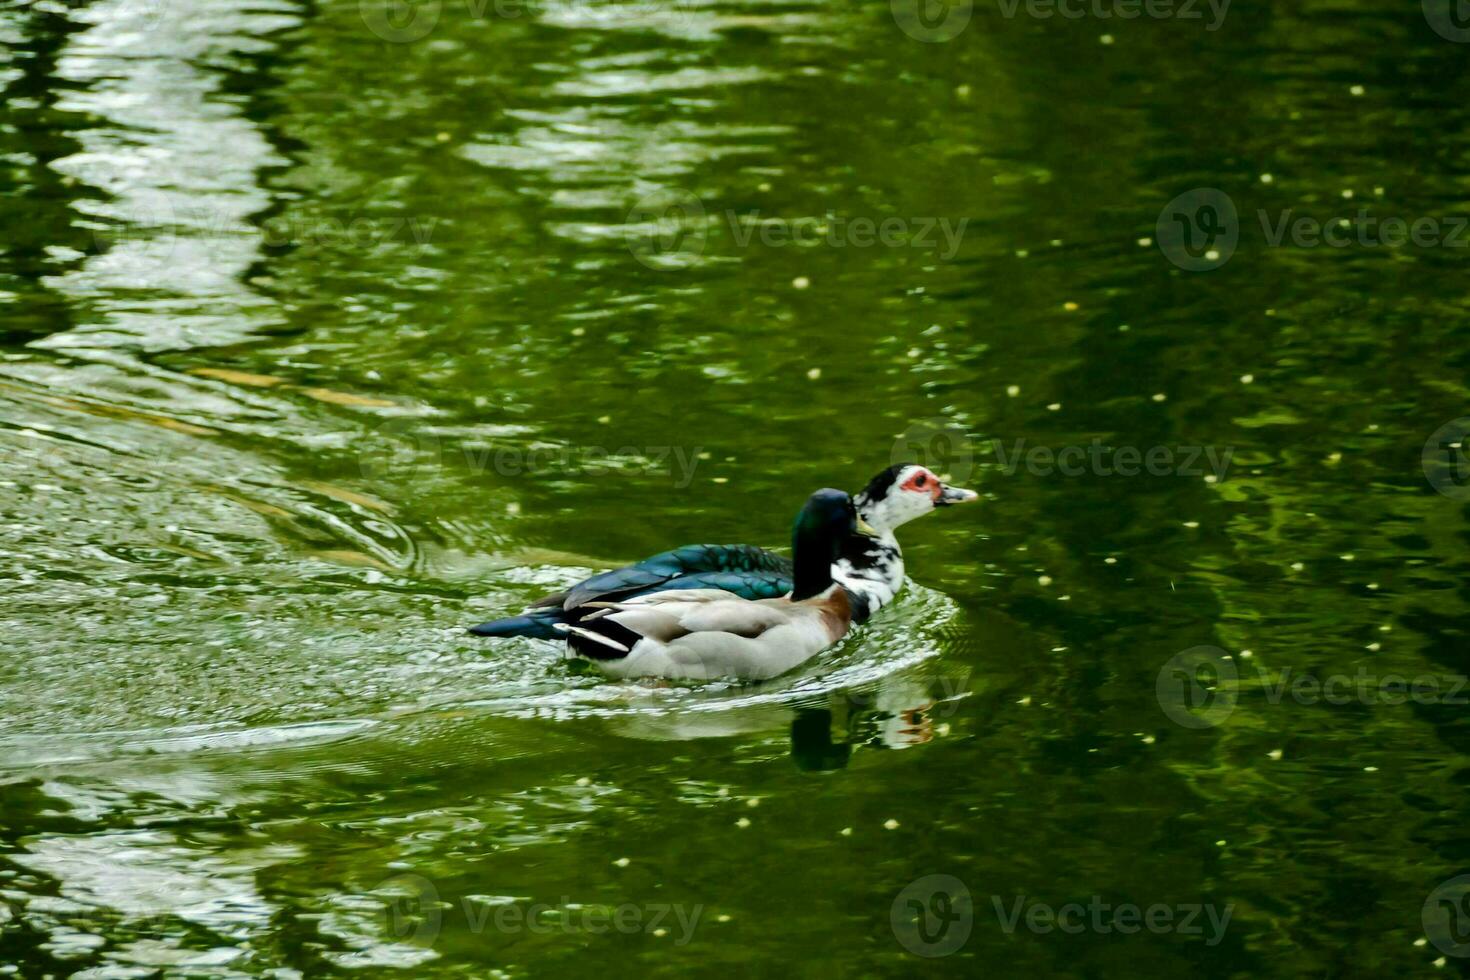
1149	740
660	932
1012	391
890	824
1212	255
846	831
1247	654
1021	253
583	781
622	862
1043	580
1054	407
1266	178
1025	702
579	331
1160	396
722	917
1211	478
1110	561
1145	241
753	802
800	282
604	419
1375	647
1356	90
1191	524
814	374
1105	39
1347	557
1348	195
1370	768
1070	306
1246	379
1297	566
1274	755
1373	586
720	479
743	822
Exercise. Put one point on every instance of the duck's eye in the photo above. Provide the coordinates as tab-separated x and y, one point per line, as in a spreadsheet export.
919	482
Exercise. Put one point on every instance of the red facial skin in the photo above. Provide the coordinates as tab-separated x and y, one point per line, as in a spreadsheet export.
924	482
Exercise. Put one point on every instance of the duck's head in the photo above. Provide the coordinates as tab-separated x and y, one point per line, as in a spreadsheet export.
826	520
903	492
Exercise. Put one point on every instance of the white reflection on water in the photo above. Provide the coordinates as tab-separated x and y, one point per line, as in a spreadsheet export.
180	166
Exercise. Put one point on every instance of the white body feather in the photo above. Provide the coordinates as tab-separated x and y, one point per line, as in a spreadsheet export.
702	634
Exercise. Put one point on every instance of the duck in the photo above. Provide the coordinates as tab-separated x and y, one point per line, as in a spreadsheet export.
704	634
869	565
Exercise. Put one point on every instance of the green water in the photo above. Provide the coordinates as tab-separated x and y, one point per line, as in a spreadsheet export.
318	347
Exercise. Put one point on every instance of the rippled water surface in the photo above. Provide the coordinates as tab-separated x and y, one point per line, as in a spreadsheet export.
329	329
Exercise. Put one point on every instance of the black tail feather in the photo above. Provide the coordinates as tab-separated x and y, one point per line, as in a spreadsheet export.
539	624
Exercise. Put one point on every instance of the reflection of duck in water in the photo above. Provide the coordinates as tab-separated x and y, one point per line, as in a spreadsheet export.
897	714
898	711
869	565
